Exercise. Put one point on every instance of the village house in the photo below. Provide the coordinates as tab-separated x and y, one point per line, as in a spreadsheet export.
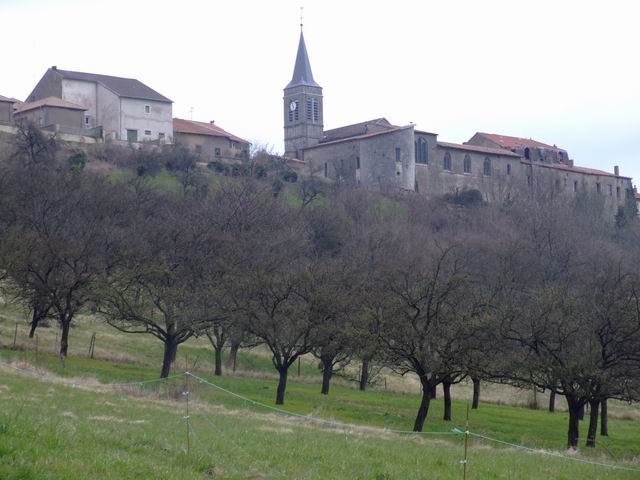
209	141
125	108
51	112
6	110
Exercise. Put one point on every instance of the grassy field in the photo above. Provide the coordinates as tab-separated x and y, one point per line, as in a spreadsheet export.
62	422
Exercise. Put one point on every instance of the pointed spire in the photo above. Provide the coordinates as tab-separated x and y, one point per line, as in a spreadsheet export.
302	72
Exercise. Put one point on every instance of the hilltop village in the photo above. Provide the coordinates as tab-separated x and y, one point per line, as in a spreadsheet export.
92	108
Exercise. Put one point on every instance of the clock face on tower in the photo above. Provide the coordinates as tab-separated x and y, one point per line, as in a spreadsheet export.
292	106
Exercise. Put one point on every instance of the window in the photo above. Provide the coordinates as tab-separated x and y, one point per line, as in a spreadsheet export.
160	136
294	108
147	132
575	185
486	167
398	154
467	164
611	190
421	151
326	170
618	193
357	162
313	110
527	153
446	163
147	109
598	187
86	120
216	151
508	169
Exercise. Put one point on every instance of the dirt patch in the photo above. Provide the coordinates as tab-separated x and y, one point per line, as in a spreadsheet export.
106	418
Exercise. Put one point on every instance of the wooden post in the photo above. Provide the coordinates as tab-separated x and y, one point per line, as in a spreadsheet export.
92	345
186	394
15	335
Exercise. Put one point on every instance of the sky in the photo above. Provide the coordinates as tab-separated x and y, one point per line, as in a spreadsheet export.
562	72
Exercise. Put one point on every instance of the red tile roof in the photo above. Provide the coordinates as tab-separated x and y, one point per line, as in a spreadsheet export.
473	148
203	128
583	170
514	142
47	102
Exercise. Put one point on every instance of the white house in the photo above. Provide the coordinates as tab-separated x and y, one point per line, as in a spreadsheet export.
125	108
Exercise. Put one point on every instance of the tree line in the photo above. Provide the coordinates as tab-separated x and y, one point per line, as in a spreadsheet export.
540	292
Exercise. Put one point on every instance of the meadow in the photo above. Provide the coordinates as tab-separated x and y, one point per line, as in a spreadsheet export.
110	417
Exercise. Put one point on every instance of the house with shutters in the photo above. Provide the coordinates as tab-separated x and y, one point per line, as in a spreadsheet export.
125	108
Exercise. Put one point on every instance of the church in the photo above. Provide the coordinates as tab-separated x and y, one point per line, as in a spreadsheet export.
377	153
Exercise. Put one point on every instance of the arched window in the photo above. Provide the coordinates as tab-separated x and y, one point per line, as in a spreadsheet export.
467	163
486	167
421	151
446	164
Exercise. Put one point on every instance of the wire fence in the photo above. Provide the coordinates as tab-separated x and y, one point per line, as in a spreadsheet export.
191	435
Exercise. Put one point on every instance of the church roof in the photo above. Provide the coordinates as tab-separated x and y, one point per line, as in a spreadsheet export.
203	128
583	170
375	125
302	71
363	136
506	141
124	87
474	148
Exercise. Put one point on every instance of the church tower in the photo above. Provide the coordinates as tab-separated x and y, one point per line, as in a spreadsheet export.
302	107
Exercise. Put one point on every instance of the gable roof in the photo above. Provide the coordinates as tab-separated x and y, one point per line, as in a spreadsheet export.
47	102
124	87
8	100
506	141
393	129
375	125
583	170
474	148
202	128
302	71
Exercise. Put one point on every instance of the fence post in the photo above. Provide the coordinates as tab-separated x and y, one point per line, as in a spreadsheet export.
15	335
186	417
92	344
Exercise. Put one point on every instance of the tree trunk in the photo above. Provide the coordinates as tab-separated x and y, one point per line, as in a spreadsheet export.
476	393
217	354
327	373
581	412
446	388
282	385
552	400
170	351
65	325
233	352
604	424
593	422
364	374
573	434
427	394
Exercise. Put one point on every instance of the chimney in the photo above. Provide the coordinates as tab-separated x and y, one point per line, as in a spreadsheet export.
211	122
55	67
616	171
570	162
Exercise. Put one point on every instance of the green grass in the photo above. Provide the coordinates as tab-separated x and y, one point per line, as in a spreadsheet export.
51	430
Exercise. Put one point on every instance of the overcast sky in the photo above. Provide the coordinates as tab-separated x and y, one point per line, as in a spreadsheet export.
561	72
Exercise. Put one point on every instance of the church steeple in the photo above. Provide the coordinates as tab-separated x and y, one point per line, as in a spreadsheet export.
303	115
302	71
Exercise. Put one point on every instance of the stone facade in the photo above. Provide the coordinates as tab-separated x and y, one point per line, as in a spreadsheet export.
209	141
51	112
378	154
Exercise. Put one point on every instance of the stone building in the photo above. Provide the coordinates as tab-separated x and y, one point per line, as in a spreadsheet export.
51	112
125	108
209	141
6	110
379	154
